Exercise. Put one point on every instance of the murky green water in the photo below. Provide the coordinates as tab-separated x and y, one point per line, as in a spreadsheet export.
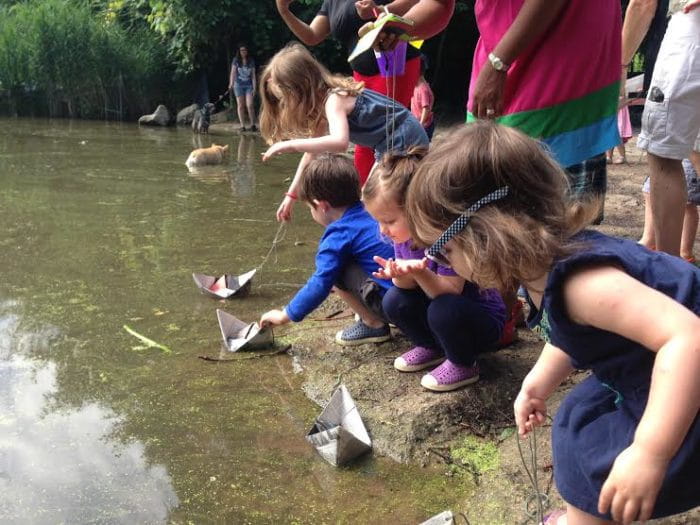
102	225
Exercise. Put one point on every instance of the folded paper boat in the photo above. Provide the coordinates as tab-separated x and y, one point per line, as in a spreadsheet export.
338	433
224	286
237	334
444	518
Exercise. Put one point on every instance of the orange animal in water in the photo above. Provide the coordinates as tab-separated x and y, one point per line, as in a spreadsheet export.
214	154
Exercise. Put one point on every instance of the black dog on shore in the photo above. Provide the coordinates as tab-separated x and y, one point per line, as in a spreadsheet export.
202	118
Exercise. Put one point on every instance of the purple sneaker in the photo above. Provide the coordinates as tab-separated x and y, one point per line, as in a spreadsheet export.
449	376
418	358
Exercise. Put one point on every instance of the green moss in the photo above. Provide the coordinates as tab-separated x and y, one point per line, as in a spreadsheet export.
477	455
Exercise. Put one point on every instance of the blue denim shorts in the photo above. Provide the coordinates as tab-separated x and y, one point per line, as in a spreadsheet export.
241	91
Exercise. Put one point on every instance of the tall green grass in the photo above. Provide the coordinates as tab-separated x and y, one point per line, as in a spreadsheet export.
60	58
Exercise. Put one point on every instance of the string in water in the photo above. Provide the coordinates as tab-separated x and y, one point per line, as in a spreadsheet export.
541	500
279	237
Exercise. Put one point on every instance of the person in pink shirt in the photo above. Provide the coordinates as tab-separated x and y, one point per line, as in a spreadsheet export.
422	101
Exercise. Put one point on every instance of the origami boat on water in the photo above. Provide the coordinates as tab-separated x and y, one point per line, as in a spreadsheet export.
444	518
224	286
237	334
338	433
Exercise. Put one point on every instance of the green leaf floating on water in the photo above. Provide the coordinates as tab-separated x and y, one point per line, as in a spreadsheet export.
148	342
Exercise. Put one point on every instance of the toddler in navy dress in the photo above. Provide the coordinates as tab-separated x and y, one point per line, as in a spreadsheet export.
626	441
448	319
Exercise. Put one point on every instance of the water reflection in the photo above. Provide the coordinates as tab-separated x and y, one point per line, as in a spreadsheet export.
106	233
243	177
61	465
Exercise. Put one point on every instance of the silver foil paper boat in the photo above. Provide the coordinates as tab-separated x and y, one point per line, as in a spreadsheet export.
338	433
224	286
237	334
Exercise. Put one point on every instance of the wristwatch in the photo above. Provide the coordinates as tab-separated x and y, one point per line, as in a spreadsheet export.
497	63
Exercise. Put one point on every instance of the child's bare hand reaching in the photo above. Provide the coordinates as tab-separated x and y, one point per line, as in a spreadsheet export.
284	212
274	318
391	268
279	148
529	413
630	491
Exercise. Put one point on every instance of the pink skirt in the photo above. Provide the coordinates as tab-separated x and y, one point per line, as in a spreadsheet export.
624	124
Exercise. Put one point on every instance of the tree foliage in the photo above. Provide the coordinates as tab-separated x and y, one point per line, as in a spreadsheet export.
198	32
62	56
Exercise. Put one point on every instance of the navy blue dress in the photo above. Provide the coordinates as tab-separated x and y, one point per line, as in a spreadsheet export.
597	420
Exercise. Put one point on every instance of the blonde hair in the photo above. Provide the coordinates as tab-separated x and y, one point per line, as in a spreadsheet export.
511	240
393	174
297	109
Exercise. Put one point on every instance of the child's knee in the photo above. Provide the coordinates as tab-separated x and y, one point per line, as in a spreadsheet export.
441	311
398	303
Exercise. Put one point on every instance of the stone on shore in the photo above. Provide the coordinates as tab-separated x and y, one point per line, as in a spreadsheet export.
160	117
185	115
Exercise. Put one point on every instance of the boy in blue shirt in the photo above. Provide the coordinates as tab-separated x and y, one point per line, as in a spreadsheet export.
330	187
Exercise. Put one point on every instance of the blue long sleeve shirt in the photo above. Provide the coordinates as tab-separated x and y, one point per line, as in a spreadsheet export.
352	238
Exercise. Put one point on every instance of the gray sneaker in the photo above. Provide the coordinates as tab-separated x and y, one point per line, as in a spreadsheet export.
359	333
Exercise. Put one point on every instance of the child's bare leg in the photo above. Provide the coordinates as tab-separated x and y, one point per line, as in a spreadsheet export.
621	150
695	160
690	230
648	239
576	516
367	316
609	155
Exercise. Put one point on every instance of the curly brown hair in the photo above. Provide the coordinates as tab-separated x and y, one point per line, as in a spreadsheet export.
511	240
294	106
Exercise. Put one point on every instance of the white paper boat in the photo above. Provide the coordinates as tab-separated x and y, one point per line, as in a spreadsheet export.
444	518
224	286
237	334
338	433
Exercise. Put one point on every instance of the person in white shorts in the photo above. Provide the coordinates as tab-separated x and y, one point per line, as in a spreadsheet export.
671	119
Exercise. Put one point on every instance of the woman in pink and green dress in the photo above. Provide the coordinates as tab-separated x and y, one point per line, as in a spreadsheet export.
551	68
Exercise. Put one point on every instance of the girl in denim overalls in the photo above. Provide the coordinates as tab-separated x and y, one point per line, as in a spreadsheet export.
305	109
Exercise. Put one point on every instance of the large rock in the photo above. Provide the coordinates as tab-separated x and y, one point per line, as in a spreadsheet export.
185	115
222	116
160	117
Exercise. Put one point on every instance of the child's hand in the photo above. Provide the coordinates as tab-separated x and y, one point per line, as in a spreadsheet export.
385	272
630	491
279	148
274	318
391	268
365	9
529	413
407	266
284	212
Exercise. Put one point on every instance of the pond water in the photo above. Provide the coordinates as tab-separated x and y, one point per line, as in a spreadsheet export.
102	226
